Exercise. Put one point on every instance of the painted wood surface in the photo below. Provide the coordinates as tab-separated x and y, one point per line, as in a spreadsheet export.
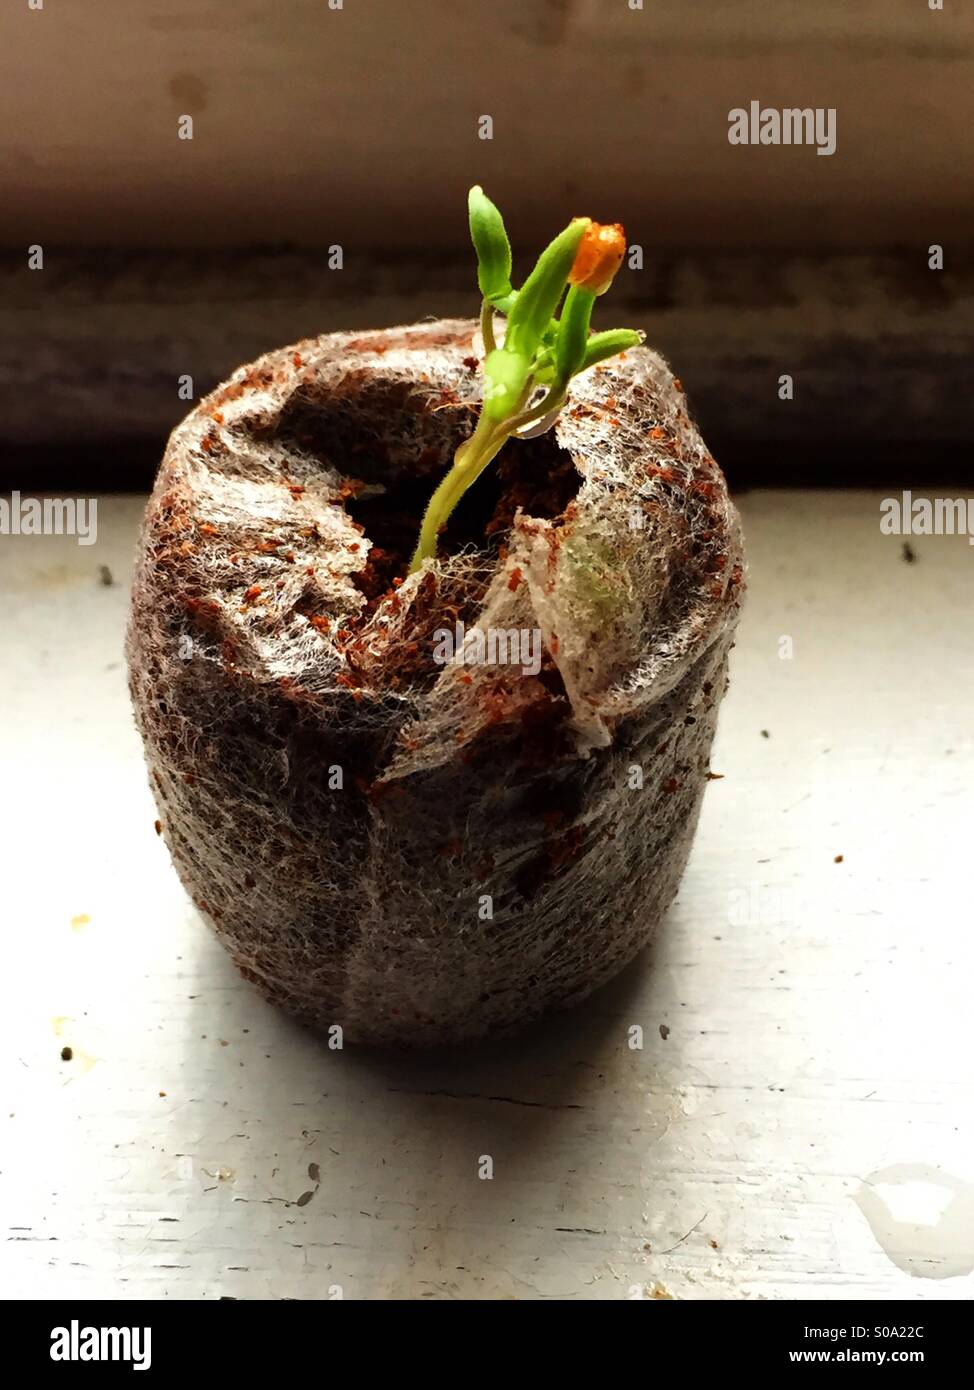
798	1121
314	123
96	347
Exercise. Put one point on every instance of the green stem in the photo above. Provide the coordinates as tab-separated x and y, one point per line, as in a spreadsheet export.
552	401
469	461
487	327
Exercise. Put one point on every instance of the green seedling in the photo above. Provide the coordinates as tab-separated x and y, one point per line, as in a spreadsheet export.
527	377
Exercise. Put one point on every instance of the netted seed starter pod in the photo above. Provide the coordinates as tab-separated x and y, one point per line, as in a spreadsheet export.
423	851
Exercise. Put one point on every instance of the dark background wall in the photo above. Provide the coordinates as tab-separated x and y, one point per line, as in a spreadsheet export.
359	127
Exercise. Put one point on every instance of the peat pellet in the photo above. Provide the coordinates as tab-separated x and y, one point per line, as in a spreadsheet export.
427	809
